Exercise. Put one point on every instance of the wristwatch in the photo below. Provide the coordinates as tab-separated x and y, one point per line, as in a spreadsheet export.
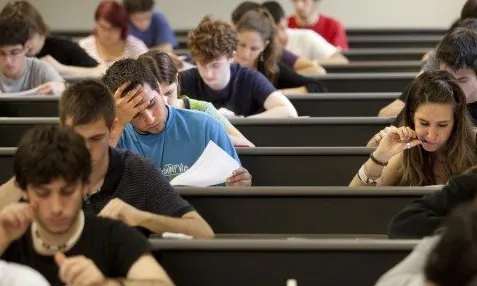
364	177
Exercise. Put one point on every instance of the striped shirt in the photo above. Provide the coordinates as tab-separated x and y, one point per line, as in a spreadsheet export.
133	49
136	181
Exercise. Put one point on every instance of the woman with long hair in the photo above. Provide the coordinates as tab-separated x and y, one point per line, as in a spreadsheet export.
258	49
436	140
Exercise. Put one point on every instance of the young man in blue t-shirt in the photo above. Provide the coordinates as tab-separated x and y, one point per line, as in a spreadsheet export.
230	87
149	26
173	138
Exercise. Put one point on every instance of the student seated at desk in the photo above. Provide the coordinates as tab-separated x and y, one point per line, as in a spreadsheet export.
110	40
300	64
307	16
456	53
303	42
164	69
66	56
231	88
149	26
19	73
123	185
172	138
436	140
50	233
258	49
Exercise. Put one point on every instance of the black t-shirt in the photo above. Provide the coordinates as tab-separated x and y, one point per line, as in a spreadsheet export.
139	183
244	95
111	245
66	52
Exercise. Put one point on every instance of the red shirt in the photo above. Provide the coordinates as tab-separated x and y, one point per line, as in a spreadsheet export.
329	28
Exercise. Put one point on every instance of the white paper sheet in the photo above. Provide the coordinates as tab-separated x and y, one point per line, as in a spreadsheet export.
33	91
213	167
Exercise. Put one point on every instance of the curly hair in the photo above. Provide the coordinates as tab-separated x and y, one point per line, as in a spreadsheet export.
212	39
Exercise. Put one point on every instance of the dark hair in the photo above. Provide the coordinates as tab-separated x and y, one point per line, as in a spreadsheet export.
469	23
275	9
28	13
211	40
162	66
85	102
261	22
469	10
243	8
138	6
453	261
13	31
50	152
460	149
458	49
129	70
115	14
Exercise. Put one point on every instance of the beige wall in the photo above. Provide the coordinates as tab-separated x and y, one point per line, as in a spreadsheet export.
184	14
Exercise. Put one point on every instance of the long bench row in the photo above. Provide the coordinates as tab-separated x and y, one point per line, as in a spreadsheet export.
315	105
238	262
274	166
297	132
300	210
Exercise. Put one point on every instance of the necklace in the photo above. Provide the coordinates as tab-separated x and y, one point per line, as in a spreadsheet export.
42	246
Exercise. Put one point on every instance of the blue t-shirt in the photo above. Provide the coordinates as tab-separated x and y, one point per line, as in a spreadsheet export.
244	95
181	143
159	32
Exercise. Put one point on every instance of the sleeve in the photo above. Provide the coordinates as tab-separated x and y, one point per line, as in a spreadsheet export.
319	47
410	271
288	78
77	56
218	135
259	86
424	216
129	244
340	38
47	73
288	58
136	47
163	199
164	32
404	94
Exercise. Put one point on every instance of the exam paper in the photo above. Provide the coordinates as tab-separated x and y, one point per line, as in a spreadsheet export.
32	91
213	167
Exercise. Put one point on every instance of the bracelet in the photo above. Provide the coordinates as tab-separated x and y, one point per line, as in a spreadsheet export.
376	161
363	176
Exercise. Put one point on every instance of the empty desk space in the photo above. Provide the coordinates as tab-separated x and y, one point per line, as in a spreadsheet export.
385	54
29	106
369	82
374	67
303	166
238	262
12	129
395	41
299	132
300	210
394	32
341	104
316	104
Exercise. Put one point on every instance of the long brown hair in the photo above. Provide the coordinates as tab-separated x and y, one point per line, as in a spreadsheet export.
261	21
162	66
460	150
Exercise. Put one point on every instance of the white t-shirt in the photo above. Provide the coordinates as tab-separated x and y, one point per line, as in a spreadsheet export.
134	48
308	44
13	274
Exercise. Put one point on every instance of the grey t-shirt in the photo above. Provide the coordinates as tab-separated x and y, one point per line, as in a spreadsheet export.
36	73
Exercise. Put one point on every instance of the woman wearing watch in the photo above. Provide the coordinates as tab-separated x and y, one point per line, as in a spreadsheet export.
436	140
